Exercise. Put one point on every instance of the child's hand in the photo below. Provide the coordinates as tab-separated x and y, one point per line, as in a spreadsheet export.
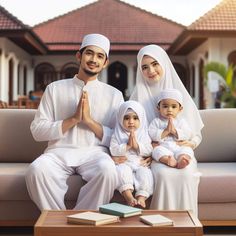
134	141
130	143
171	127
155	144
119	159
146	162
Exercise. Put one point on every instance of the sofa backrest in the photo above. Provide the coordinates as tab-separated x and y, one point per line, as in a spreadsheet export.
218	136
16	141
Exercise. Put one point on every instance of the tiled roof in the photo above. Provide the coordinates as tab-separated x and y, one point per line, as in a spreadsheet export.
19	33
222	17
127	26
8	21
218	22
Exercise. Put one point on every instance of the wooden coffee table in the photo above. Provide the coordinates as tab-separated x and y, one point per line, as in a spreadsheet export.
54	223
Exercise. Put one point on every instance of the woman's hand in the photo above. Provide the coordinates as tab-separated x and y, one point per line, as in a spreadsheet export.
119	159
146	161
186	143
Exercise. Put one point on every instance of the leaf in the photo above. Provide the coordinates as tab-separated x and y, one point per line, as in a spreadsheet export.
229	77
215	67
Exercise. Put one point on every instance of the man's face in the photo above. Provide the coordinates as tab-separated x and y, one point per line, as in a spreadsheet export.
93	60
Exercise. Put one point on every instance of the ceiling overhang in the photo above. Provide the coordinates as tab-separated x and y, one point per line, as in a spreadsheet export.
190	40
26	40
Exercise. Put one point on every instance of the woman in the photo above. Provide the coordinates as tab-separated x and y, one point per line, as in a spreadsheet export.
175	189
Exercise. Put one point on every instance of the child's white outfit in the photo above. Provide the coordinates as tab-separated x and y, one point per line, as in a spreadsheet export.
131	173
168	146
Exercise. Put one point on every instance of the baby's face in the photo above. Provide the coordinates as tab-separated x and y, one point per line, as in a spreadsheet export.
151	69
169	108
131	122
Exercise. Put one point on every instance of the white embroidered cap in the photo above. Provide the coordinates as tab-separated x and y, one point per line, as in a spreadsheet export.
98	40
170	94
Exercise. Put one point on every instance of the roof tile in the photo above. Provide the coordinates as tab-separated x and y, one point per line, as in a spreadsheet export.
221	17
122	23
9	22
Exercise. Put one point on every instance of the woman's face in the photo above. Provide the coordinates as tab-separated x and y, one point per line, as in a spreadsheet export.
151	69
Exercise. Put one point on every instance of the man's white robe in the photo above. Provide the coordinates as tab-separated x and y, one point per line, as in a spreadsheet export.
76	151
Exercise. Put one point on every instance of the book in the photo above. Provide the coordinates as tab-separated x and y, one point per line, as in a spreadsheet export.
92	218
156	220
121	210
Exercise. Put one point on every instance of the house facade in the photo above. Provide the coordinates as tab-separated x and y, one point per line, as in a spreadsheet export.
31	58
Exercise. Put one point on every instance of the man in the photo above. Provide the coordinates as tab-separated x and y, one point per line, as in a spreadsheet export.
76	117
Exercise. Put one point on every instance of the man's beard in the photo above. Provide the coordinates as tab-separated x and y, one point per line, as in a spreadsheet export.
90	73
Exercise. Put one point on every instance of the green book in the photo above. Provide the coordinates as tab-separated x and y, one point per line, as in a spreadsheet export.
121	210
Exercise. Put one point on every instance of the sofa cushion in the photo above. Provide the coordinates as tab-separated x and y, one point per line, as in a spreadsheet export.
217	183
12	181
17	143
218	136
13	187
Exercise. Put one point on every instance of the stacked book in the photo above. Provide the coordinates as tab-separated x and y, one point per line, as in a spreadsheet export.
120	210
111	213
92	218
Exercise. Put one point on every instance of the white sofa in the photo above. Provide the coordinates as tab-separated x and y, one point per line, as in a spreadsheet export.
216	156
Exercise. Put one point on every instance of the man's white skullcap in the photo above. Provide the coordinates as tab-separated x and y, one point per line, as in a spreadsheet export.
170	94
98	40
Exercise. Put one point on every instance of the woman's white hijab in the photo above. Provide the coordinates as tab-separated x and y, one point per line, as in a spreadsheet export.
141	133
146	92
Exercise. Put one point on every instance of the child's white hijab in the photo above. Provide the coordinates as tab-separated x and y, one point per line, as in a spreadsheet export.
141	133
146	93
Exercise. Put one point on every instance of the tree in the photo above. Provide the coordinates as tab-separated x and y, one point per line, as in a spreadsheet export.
226	80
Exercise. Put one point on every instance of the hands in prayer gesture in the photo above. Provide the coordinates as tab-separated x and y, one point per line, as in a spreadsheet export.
82	113
171	128
132	142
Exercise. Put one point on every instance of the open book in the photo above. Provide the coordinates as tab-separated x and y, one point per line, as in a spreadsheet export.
156	220
92	218
120	210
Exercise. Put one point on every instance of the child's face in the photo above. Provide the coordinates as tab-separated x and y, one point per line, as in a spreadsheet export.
131	121
151	69
169	108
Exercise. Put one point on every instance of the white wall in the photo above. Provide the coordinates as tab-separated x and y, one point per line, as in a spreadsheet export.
19	56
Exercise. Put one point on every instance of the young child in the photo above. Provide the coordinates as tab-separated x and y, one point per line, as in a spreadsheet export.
169	128
130	144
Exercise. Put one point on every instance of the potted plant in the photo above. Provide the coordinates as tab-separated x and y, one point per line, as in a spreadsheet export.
226	80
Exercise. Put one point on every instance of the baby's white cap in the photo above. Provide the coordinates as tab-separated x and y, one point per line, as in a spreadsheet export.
170	94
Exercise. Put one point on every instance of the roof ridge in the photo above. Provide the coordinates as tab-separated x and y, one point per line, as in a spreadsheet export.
119	1
14	18
151	13
65	14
